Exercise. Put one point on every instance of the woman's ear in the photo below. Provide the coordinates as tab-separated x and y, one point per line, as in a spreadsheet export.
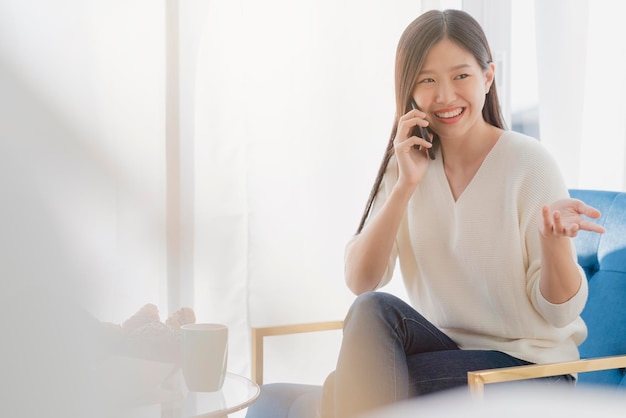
489	76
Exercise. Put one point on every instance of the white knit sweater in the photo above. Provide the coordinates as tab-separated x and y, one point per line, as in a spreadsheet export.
472	267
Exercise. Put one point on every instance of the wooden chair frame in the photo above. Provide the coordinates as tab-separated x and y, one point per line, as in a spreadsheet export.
259	333
476	380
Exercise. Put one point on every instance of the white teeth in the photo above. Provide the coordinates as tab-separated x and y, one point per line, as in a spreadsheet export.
451	114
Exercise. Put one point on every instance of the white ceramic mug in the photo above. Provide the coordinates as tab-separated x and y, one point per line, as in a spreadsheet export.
204	356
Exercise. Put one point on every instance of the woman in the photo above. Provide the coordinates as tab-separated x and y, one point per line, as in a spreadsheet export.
482	234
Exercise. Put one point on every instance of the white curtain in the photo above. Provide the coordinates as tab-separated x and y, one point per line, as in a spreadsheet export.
293	108
582	119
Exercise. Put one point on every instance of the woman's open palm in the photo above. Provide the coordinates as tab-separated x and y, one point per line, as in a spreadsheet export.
566	217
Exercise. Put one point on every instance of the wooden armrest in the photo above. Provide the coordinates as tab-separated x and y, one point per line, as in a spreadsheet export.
477	379
259	333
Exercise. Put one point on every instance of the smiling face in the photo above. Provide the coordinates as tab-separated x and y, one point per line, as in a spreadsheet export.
451	89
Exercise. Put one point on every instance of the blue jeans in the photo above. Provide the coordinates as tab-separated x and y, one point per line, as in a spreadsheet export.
390	353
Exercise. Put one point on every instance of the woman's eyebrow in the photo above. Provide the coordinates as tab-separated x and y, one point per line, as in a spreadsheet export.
455	68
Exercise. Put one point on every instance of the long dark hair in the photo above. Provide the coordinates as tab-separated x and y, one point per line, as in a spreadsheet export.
417	39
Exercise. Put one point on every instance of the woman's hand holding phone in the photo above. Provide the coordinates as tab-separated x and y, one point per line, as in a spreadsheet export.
423	132
412	151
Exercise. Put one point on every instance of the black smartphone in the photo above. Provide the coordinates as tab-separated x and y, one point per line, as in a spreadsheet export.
422	132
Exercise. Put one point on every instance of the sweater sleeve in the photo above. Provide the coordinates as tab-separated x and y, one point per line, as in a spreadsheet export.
543	184
561	315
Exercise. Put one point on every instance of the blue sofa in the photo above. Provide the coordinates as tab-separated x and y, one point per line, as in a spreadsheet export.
603	258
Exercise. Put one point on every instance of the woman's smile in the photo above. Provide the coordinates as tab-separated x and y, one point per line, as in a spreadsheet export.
450	115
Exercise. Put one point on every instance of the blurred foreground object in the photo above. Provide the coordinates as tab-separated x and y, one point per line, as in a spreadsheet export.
514	400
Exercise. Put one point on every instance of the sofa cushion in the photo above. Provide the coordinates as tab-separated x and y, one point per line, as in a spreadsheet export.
603	256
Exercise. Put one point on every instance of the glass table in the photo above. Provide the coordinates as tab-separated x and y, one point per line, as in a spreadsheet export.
237	393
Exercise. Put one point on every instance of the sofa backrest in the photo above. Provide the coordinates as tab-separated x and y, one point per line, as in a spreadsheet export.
603	257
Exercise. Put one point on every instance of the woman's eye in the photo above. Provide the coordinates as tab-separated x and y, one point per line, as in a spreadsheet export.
427	80
461	76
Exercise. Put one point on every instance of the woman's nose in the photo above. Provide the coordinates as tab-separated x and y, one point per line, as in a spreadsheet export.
445	92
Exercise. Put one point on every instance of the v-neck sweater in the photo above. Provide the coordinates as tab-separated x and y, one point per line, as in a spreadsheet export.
472	266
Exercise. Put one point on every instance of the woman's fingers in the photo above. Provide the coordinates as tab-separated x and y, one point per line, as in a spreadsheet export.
547	221
409	121
592	227
568	221
590	211
412	142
